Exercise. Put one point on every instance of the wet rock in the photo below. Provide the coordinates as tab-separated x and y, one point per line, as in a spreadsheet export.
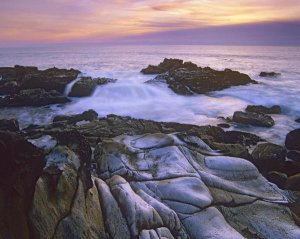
260	109
268	157
187	78
254	119
291	168
9	124
32	78
86	86
297	120
294	155
88	115
292	140
278	178
293	183
223	125
33	97
21	165
269	74
239	137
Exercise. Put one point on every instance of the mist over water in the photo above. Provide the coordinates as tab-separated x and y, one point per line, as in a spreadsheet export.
129	96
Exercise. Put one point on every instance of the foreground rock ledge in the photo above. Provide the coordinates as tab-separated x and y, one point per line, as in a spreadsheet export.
186	78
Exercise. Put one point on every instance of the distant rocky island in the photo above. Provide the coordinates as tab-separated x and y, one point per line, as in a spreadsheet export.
113	177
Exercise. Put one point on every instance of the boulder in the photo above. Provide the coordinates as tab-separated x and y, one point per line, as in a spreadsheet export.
294	155
268	157
293	183
269	74
86	86
297	120
33	97
260	109
239	137
88	115
291	168
254	119
9	124
278	178
292	140
21	165
186	78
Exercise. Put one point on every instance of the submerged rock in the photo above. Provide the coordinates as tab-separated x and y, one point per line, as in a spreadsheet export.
86	86
187	78
269	74
254	119
292	141
33	97
9	124
260	109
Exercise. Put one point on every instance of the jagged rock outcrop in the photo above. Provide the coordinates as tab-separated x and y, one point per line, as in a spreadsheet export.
22	77
33	97
260	109
187	78
88	115
86	86
254	119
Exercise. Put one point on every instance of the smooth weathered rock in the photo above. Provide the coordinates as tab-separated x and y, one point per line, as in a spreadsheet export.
88	115
291	168
292	140
260	109
9	124
293	183
268	157
278	178
33	97
294	155
86	86
21	164
187	78
269	74
254	119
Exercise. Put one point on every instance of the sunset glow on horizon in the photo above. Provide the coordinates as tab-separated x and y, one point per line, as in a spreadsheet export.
103	20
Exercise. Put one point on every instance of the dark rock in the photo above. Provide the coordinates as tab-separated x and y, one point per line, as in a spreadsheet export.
88	115
291	168
21	164
86	86
269	74
268	157
255	119
223	125
9	124
294	155
293	183
297	120
275	109
239	137
277	178
33	97
21	77
186	78
292	141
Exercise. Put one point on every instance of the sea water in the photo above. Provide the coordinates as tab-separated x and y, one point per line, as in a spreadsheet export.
130	96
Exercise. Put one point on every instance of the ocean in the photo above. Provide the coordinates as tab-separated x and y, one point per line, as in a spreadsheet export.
131	97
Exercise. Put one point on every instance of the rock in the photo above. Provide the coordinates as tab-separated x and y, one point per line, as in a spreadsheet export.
187	78
293	183
278	178
163	181
21	165
292	140
269	74
297	120
223	125
268	157
294	155
86	86
291	168
33	97
32	78
275	109
254	119
88	115
9	124
243	138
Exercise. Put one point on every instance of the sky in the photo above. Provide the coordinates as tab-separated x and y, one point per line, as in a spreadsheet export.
150	21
